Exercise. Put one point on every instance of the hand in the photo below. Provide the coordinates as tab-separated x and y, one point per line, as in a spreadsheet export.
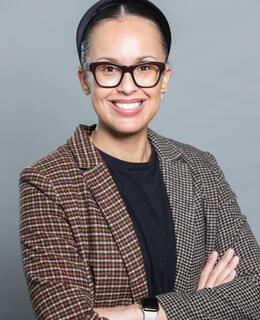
223	272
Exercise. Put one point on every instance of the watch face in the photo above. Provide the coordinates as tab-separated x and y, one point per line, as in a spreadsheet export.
150	304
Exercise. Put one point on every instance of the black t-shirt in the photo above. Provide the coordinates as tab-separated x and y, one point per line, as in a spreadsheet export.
142	189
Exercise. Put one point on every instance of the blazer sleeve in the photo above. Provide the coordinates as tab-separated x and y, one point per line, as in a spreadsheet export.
59	282
240	298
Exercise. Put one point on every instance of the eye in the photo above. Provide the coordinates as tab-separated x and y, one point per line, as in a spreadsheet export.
109	68
144	67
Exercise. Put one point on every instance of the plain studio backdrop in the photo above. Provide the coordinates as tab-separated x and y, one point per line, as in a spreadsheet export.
212	101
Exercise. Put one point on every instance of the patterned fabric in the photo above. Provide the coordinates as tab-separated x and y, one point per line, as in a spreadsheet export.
143	191
80	250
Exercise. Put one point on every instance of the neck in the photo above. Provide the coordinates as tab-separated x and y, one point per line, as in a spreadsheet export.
134	147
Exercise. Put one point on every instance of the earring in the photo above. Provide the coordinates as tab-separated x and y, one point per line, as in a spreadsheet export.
163	94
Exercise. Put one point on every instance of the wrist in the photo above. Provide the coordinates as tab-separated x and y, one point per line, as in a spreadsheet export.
139	314
161	315
150	307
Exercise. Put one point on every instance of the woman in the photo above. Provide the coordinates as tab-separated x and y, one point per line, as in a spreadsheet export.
121	222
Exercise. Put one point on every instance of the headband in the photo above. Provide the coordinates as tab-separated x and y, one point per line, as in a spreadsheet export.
103	4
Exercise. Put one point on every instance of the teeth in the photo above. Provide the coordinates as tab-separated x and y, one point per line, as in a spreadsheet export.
128	105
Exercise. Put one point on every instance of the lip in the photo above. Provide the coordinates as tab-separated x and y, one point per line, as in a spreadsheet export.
128	112
127	101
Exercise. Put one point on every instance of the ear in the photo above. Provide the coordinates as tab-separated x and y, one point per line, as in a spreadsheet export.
83	81
165	78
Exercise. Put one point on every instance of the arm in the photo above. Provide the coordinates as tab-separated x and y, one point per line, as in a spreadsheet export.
212	275
59	282
239	299
131	312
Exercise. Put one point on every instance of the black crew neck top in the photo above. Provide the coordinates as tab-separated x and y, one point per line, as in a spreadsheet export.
143	191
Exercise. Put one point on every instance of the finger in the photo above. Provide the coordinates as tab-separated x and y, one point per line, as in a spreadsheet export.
207	270
231	266
229	277
219	267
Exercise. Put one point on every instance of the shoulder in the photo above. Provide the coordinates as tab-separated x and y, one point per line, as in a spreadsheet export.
49	168
201	163
192	155
204	166
196	157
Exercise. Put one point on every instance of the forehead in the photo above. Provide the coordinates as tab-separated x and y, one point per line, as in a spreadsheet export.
126	38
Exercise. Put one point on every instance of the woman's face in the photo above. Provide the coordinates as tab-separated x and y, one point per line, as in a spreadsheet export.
127	41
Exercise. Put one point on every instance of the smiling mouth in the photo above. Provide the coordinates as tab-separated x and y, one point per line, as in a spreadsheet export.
128	106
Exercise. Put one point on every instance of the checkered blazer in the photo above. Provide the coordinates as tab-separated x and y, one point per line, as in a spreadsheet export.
80	250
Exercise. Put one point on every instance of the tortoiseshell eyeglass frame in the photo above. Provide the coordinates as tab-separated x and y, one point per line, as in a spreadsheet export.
93	65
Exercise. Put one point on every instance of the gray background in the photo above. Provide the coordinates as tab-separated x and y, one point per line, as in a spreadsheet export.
212	101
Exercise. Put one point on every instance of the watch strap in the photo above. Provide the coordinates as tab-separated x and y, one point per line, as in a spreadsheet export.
150	315
149	307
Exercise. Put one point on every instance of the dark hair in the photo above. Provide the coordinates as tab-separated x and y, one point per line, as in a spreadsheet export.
117	12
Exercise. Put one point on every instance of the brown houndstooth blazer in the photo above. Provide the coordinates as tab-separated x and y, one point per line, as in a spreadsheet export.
80	250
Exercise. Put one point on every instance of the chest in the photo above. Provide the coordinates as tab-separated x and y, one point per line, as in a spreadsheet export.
107	238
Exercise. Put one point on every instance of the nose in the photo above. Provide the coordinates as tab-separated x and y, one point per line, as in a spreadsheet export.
127	84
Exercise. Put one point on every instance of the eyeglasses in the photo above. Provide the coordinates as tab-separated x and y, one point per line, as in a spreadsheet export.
144	75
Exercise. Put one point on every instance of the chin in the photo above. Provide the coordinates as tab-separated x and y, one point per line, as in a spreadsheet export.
125	125
131	129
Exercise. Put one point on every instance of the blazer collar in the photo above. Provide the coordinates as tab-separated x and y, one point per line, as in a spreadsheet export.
87	156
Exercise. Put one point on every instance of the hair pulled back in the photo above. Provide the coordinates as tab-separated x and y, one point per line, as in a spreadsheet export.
120	11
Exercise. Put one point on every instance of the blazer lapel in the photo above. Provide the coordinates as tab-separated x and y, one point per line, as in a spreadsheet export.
179	186
178	183
108	198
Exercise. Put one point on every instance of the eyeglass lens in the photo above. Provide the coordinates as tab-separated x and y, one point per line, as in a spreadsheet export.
110	75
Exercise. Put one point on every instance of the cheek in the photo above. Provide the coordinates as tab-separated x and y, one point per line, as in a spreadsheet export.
99	96
157	97
96	92
154	99
156	94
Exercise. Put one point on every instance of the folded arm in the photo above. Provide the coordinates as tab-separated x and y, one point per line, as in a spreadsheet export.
240	298
212	275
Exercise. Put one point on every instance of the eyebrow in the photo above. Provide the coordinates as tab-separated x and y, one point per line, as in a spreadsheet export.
116	61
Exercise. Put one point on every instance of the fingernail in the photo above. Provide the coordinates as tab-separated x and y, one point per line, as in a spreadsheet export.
230	251
235	259
213	254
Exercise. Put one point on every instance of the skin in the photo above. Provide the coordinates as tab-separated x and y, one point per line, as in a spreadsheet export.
124	137
129	38
222	273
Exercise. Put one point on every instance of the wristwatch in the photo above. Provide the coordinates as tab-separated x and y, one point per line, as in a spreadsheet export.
150	307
